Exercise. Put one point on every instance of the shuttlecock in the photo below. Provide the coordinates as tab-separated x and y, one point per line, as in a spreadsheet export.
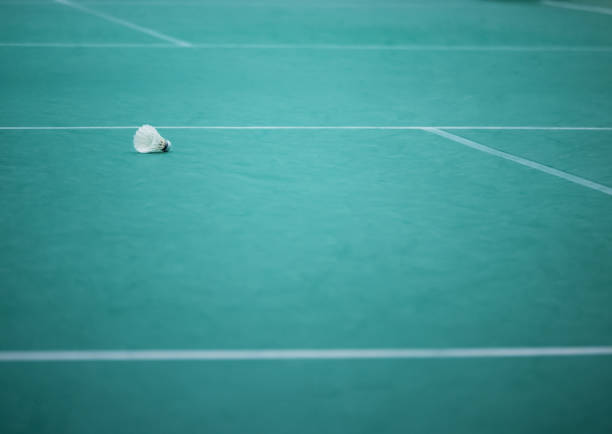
147	139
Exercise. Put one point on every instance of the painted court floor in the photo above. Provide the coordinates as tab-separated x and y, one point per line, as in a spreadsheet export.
377	217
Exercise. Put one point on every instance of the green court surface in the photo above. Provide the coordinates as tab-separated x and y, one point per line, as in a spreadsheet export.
345	175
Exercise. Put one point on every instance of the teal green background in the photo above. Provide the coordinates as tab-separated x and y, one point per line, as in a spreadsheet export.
283	239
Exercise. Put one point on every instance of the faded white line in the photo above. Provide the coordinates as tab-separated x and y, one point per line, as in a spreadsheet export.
347	47
124	23
65	128
526	128
408	47
523	161
307	354
303	127
266	4
578	7
84	45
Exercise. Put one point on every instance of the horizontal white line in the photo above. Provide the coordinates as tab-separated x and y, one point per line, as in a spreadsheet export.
411	47
314	127
579	7
526	128
266	4
524	162
348	47
276	4
311	354
85	45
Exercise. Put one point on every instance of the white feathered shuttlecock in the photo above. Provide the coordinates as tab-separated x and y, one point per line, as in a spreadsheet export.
147	139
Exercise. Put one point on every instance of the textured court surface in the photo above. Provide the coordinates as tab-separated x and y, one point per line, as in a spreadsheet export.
305	238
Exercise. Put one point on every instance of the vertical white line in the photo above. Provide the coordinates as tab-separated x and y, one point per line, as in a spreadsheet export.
523	161
585	8
124	23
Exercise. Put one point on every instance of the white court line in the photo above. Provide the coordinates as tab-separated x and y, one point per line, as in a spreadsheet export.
525	128
311	354
523	161
124	23
347	47
435	130
256	4
578	7
84	45
281	4
406	47
299	127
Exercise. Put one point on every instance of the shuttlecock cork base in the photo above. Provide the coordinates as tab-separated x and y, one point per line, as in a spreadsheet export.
148	140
